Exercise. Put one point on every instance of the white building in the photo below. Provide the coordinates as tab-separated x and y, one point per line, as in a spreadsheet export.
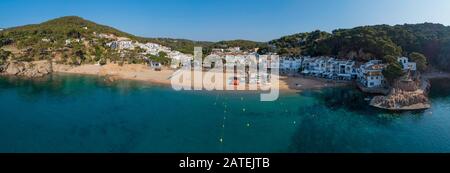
233	60
290	65
330	68
269	62
308	64
370	74
155	65
314	66
123	44
213	60
217	51
179	59
68	41
345	70
45	40
404	61
234	49
319	66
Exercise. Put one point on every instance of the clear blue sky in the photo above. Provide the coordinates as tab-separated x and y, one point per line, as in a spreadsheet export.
214	20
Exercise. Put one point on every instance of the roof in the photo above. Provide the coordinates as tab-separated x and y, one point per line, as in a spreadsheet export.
377	73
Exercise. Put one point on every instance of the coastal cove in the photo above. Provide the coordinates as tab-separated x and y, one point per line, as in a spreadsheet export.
79	113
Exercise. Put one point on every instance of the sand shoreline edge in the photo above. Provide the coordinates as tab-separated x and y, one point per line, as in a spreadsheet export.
142	73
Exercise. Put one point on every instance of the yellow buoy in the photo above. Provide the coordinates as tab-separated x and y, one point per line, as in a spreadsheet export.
221	140
243	109
248	124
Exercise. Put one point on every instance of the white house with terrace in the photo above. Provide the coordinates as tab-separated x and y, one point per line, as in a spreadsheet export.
289	65
406	65
370	74
344	70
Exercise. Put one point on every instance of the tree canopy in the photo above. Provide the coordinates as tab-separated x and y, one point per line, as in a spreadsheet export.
4	55
368	42
42	41
420	60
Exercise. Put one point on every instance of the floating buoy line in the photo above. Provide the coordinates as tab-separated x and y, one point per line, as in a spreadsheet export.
222	125
221	102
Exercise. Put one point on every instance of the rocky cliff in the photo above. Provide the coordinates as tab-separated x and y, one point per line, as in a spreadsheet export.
402	100
406	95
27	69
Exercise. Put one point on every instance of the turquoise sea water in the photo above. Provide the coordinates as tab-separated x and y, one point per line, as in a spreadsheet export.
70	113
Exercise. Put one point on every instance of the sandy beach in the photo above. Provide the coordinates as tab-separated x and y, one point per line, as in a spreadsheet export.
144	73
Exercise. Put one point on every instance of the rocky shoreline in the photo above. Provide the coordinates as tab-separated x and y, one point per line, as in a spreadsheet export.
33	69
406	95
402	101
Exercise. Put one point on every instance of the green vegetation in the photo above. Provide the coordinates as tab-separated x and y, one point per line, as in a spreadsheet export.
245	45
46	40
300	44
393	71
420	60
57	31
426	44
162	58
367	42
102	61
4	55
181	45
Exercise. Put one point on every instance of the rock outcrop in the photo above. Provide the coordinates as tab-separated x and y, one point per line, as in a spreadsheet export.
402	100
27	69
406	95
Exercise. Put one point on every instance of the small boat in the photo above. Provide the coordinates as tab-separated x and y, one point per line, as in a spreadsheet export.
367	99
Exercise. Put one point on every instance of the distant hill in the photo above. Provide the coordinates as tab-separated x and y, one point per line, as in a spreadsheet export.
67	27
366	42
360	43
64	28
243	44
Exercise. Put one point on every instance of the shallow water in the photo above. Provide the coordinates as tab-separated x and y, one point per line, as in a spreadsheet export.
73	113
